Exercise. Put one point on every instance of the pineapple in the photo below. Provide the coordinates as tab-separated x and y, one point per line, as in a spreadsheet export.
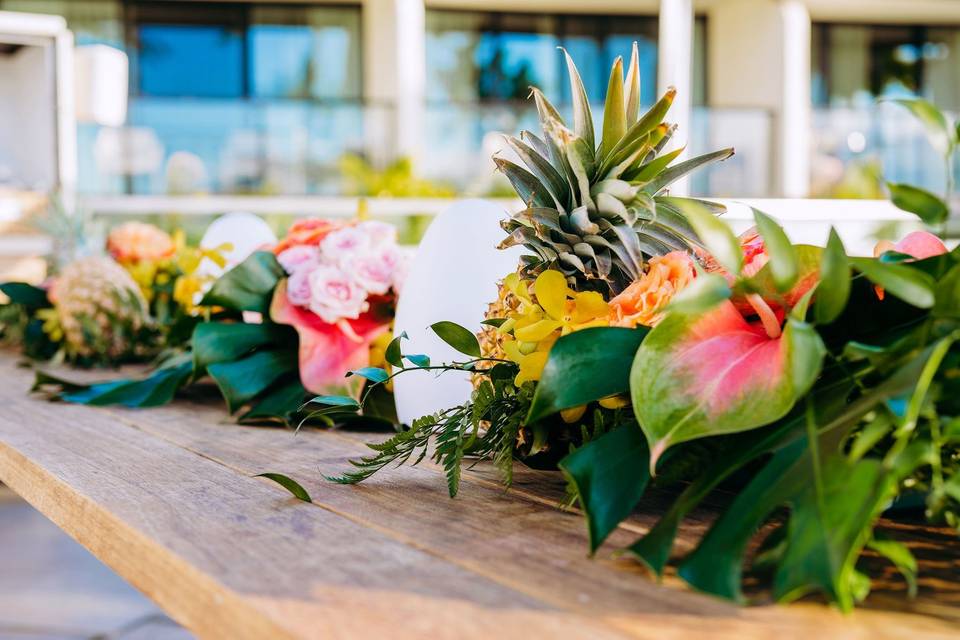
596	212
99	310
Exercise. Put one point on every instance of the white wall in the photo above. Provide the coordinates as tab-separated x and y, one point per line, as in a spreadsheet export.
28	118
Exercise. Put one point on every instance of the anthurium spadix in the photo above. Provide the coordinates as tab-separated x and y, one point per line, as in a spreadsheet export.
713	373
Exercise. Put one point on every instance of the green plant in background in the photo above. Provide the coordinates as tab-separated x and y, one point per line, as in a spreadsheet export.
396	180
944	136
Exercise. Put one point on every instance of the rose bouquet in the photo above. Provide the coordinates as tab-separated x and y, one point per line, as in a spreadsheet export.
127	306
641	344
287	323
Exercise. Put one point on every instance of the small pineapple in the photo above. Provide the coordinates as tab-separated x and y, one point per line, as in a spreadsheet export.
595	212
100	311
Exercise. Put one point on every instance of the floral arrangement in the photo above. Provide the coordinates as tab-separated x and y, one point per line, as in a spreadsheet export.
287	323
126	306
641	344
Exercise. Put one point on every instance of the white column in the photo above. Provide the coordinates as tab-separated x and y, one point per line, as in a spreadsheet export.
394	72
759	57
674	69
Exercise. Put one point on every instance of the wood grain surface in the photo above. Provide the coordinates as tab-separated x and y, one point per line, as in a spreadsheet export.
167	499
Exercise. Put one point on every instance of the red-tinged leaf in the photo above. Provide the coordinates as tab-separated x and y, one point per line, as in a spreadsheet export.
327	352
699	376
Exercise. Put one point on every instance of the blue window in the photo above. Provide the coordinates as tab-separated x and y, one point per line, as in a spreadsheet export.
190	60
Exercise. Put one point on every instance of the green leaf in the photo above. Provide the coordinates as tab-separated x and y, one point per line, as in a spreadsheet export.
287	483
833	291
614	113
783	257
215	342
828	531
29	296
705	292
530	190
336	401
705	375
714	233
633	86
458	337
898	554
609	476
584	366
926	206
933	120
248	286
240	381
493	322
279	404
373	374
392	353
911	285
418	359
155	390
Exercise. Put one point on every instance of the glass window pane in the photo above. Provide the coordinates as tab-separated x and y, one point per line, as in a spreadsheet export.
304	52
190	60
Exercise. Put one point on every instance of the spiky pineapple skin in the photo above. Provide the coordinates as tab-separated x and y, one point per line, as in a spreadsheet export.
97	296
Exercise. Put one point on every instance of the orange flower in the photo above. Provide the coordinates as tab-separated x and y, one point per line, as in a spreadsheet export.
309	231
644	301
137	241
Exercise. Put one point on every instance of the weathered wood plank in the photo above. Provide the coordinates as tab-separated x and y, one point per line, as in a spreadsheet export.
513	543
525	544
229	556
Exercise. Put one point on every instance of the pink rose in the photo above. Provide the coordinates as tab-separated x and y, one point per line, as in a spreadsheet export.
298	287
379	232
299	258
343	243
375	271
335	296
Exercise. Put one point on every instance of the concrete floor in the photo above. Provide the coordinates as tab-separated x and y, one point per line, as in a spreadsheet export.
51	588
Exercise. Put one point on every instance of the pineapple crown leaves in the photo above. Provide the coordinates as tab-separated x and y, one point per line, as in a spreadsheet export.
595	209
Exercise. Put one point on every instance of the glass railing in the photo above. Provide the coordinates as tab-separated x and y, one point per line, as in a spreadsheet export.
177	146
854	148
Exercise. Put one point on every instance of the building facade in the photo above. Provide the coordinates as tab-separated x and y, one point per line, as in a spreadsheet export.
270	97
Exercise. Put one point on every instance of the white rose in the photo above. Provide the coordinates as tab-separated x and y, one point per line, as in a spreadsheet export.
334	295
342	244
375	270
299	257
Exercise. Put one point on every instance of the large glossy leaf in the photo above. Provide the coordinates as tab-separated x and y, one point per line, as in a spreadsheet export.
248	286
911	285
829	526
609	476
29	296
584	366
928	207
156	389
698	376
834	288
240	381
215	342
280	404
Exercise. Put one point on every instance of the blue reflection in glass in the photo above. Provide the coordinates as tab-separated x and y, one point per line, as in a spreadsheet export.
190	60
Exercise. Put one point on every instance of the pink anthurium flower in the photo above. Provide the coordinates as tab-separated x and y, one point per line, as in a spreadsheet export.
735	367
328	351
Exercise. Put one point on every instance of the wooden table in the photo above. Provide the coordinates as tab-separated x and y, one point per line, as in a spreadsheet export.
165	497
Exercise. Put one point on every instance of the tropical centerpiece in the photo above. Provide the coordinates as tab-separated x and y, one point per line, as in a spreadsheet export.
127	305
284	325
641	344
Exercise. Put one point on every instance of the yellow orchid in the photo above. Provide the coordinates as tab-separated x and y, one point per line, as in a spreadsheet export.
536	325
